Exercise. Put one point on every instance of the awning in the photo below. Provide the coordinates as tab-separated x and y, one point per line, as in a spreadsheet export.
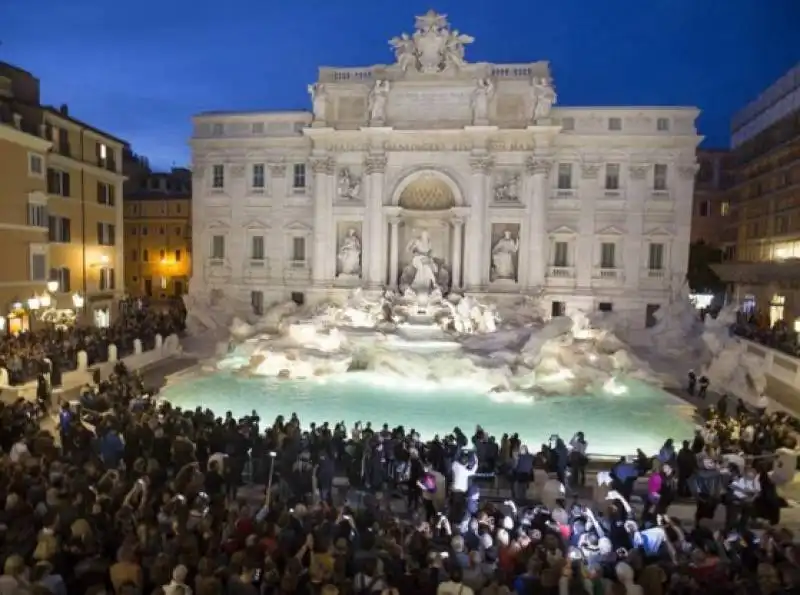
758	272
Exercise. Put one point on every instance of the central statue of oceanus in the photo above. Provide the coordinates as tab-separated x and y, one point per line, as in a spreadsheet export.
433	47
425	273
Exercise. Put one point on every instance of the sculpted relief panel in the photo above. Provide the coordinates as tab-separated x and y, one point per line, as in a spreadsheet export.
351	109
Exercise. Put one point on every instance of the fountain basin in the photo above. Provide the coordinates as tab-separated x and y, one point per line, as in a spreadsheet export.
412	331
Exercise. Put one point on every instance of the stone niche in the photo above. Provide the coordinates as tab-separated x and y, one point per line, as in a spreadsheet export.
504	254
349	239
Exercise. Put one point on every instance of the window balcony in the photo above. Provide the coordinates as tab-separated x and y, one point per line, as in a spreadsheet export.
561	272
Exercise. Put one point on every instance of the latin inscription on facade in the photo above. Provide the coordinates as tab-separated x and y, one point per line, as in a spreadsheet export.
430	104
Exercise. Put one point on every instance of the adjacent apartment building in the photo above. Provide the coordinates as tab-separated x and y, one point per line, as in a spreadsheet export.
158	230
711	206
761	239
60	208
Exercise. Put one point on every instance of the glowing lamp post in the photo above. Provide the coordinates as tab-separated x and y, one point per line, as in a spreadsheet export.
52	286
33	305
77	301
45	301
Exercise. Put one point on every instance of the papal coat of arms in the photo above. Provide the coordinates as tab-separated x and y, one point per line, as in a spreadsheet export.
433	47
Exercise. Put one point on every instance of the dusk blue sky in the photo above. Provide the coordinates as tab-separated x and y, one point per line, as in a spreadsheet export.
141	69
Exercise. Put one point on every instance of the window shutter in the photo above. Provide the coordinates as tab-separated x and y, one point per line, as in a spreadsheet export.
65	189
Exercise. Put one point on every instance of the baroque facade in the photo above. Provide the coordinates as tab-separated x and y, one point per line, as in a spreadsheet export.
437	171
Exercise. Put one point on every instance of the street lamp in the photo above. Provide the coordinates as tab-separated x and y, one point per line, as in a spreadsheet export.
52	286
77	300
45	300
34	303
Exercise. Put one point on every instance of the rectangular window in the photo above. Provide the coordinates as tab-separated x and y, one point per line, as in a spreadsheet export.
106	234
299	176
257	302
58	182
558	309
61	275
257	248
218	177
567	123
37	215
144	230
650	315
615	123
217	129
612	176
561	254
177	255
662	124
162	254
35	165
58	230
608	255
218	247
258	176
724	208
660	177
605	307
564	176
134	255
106	194
655	257
38	267
704	209
145	255
107	280
299	250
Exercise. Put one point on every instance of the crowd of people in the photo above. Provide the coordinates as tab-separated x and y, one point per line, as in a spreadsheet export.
778	336
131	495
24	354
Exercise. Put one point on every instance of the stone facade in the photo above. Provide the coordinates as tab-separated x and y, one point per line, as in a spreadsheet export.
586	208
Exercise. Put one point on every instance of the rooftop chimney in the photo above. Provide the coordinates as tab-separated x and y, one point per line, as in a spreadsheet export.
64	109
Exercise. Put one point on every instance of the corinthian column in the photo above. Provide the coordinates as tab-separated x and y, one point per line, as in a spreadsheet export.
324	237
538	170
476	248
394	251
455	282
375	255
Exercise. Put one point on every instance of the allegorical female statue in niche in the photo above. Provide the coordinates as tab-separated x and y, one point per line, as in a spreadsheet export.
350	254
503	257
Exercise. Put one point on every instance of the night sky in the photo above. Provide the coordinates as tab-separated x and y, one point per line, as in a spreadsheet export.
140	69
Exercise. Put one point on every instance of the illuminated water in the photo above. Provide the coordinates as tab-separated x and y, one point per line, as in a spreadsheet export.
614	424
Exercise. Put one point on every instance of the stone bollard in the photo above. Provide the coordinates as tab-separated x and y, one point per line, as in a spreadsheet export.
83	361
4	380
137	346
113	356
159	341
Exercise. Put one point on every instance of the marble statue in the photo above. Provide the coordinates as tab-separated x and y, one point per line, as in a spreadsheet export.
544	98
503	257
350	254
318	101
405	53
348	185
425	268
507	190
433	47
377	101
480	100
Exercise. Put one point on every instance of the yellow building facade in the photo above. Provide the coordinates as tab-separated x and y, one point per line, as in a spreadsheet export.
158	236
69	178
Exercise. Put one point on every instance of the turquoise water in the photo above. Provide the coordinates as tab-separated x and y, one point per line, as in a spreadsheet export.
614	424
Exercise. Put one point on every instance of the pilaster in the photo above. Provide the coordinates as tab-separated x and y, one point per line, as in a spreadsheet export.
537	170
394	251
375	225
584	243
632	256
683	200
324	262
458	224
476	249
